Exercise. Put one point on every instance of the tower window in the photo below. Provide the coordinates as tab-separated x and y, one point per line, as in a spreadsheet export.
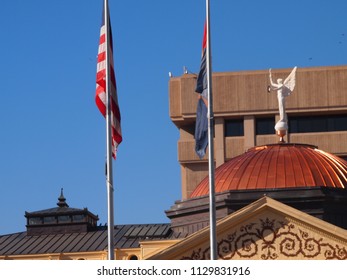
234	127
265	126
302	124
35	221
64	219
49	220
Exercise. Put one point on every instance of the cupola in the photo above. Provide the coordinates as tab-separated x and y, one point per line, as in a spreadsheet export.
61	219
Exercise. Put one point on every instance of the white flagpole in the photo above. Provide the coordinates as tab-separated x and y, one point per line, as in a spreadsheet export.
213	238
109	175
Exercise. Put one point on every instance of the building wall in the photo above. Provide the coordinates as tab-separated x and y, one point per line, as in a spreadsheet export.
270	237
243	95
120	254
146	249
265	229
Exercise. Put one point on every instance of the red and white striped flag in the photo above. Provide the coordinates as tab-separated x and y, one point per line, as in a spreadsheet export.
100	97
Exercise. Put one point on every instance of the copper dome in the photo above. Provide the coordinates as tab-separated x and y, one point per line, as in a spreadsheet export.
278	166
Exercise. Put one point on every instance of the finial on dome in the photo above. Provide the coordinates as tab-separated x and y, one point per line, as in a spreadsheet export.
281	133
62	199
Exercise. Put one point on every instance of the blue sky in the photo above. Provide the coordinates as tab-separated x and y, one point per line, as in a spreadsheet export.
52	134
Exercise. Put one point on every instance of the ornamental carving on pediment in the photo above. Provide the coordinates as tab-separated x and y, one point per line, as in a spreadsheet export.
271	239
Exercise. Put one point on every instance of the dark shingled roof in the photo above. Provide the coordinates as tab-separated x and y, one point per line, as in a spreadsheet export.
125	236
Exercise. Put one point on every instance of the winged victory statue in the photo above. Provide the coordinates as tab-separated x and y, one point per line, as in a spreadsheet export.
284	89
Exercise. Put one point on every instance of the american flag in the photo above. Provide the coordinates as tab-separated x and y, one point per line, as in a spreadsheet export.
100	97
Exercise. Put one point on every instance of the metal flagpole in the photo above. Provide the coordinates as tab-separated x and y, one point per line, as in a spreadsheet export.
109	175
213	238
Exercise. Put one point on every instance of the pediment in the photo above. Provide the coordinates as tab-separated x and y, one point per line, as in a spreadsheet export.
264	230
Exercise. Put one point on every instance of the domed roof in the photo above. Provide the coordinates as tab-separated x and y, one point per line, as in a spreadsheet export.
278	166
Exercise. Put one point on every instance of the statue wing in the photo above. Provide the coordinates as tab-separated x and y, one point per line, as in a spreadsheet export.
289	83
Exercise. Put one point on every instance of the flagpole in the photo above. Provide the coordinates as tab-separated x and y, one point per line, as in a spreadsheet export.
109	171
213	238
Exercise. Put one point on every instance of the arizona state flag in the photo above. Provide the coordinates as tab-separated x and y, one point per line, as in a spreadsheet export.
201	125
201	84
